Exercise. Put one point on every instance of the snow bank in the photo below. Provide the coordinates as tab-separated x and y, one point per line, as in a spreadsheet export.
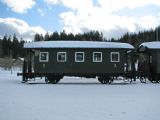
77	44
77	99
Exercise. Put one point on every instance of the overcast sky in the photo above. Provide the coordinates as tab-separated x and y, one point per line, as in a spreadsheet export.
111	17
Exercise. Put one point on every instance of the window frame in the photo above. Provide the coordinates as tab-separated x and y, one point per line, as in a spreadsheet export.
47	58
111	57
58	53
95	60
76	57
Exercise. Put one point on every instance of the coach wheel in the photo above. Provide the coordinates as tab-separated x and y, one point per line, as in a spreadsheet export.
157	78
54	79
143	80
105	80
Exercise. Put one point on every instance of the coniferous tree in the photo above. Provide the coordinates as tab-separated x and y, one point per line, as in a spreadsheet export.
38	37
63	35
55	36
20	48
15	46
1	50
5	46
143	36
71	36
12	47
47	37
9	46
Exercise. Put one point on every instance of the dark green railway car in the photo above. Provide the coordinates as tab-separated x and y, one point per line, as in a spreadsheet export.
149	60
55	59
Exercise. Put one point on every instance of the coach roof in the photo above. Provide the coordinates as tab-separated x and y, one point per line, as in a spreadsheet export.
151	45
77	44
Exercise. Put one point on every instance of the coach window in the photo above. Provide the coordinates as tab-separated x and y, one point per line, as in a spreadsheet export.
43	57
97	56
115	57
61	57
79	57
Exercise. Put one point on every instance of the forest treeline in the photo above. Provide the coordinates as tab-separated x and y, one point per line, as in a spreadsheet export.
55	36
136	39
11	46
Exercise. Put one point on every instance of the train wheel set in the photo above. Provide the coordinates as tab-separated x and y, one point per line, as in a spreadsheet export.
53	79
105	80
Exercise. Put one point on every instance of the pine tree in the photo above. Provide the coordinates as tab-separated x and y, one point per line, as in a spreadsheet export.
1	50
38	37
55	36
63	35
5	46
15	47
46	37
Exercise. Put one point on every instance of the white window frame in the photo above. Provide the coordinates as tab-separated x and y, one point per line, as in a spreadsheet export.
111	56
76	57
41	57
58	53
95	60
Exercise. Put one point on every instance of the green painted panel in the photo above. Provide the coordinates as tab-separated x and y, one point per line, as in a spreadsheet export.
88	66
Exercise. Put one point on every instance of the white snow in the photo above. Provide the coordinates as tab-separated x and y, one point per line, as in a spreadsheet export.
77	99
77	44
151	45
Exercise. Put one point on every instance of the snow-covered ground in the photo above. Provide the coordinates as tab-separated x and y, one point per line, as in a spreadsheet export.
77	99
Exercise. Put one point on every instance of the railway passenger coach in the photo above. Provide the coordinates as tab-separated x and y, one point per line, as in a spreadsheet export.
55	59
149	60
